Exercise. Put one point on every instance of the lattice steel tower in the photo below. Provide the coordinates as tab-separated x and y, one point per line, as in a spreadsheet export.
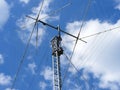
57	51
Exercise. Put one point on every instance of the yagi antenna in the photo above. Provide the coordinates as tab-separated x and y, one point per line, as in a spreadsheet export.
57	51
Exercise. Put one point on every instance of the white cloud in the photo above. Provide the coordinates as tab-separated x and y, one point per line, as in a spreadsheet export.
42	85
5	79
25	32
4	12
11	89
1	59
47	73
101	54
118	7
25	1
118	4
32	67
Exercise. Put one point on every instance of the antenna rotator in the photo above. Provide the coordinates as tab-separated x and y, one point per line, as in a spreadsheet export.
56	46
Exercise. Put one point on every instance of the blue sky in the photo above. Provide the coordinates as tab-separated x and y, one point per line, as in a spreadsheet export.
97	60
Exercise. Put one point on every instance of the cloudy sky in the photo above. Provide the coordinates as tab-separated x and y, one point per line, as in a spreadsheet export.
98	60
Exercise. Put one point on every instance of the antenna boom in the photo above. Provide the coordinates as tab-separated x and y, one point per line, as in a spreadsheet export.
56	28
